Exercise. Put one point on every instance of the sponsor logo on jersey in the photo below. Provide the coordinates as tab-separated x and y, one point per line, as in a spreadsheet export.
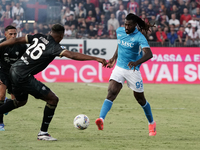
124	43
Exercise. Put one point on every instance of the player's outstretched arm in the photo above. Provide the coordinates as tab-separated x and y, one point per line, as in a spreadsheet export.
112	61
147	55
13	41
83	57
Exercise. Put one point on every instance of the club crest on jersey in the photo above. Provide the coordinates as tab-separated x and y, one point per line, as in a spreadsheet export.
132	39
124	43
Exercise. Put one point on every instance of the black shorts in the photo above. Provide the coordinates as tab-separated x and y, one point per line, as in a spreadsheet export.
21	87
4	77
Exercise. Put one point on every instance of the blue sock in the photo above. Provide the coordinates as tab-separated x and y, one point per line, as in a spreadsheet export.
147	111
105	108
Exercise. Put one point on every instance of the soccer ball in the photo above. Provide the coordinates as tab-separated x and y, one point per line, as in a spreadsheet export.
81	122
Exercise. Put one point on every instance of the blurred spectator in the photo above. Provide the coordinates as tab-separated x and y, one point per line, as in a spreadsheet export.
122	22
182	36
125	2
108	13
197	13
82	33
3	4
41	28
172	37
18	22
161	36
193	38
1	32
92	22
67	12
12	8
144	5
90	6
92	34
19	32
160	18
98	14
185	16
1	11
73	35
95	2
175	11
153	20
188	28
198	3
156	6
113	21
194	22
35	31
133	7
151	35
35	25
7	13
150	12
18	10
71	21
193	7
105	6
101	32
121	12
80	11
118	5
181	6
111	32
144	17
6	19
103	21
165	21
166	30
67	32
174	22
89	17
71	5
114	3
26	29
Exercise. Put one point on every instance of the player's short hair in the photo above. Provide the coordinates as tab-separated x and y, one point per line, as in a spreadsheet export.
58	28
10	27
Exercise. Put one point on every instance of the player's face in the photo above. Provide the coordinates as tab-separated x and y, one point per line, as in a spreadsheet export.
129	26
11	33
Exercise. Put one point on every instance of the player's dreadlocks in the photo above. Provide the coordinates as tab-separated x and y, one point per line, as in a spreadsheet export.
142	26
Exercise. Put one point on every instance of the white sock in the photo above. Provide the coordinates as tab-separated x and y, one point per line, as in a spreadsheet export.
42	133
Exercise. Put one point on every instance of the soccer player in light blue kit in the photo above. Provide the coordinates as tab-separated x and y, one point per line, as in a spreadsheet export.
132	50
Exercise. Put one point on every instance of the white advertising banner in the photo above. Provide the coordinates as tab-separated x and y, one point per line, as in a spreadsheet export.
99	48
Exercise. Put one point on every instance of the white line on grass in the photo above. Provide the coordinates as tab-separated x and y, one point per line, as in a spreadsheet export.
96	85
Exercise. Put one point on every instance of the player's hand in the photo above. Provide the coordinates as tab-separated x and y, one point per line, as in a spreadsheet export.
103	61
132	65
111	63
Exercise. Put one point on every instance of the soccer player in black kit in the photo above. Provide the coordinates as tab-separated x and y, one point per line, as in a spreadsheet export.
42	50
8	56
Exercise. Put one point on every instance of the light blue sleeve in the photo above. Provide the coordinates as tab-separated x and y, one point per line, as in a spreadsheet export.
143	41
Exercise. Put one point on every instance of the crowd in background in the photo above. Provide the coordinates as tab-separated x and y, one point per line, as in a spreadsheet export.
176	21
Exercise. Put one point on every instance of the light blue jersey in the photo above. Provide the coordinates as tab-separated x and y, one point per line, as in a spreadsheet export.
129	47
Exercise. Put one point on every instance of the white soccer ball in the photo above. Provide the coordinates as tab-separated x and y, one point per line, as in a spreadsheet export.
81	122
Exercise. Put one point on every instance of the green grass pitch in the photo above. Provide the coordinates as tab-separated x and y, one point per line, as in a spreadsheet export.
175	109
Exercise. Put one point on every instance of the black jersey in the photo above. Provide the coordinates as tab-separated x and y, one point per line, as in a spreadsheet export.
42	50
10	54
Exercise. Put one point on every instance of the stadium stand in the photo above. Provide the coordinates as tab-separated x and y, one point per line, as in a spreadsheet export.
177	20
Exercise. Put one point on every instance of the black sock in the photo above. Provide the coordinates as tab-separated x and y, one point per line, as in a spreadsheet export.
8	106
1	115
48	115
